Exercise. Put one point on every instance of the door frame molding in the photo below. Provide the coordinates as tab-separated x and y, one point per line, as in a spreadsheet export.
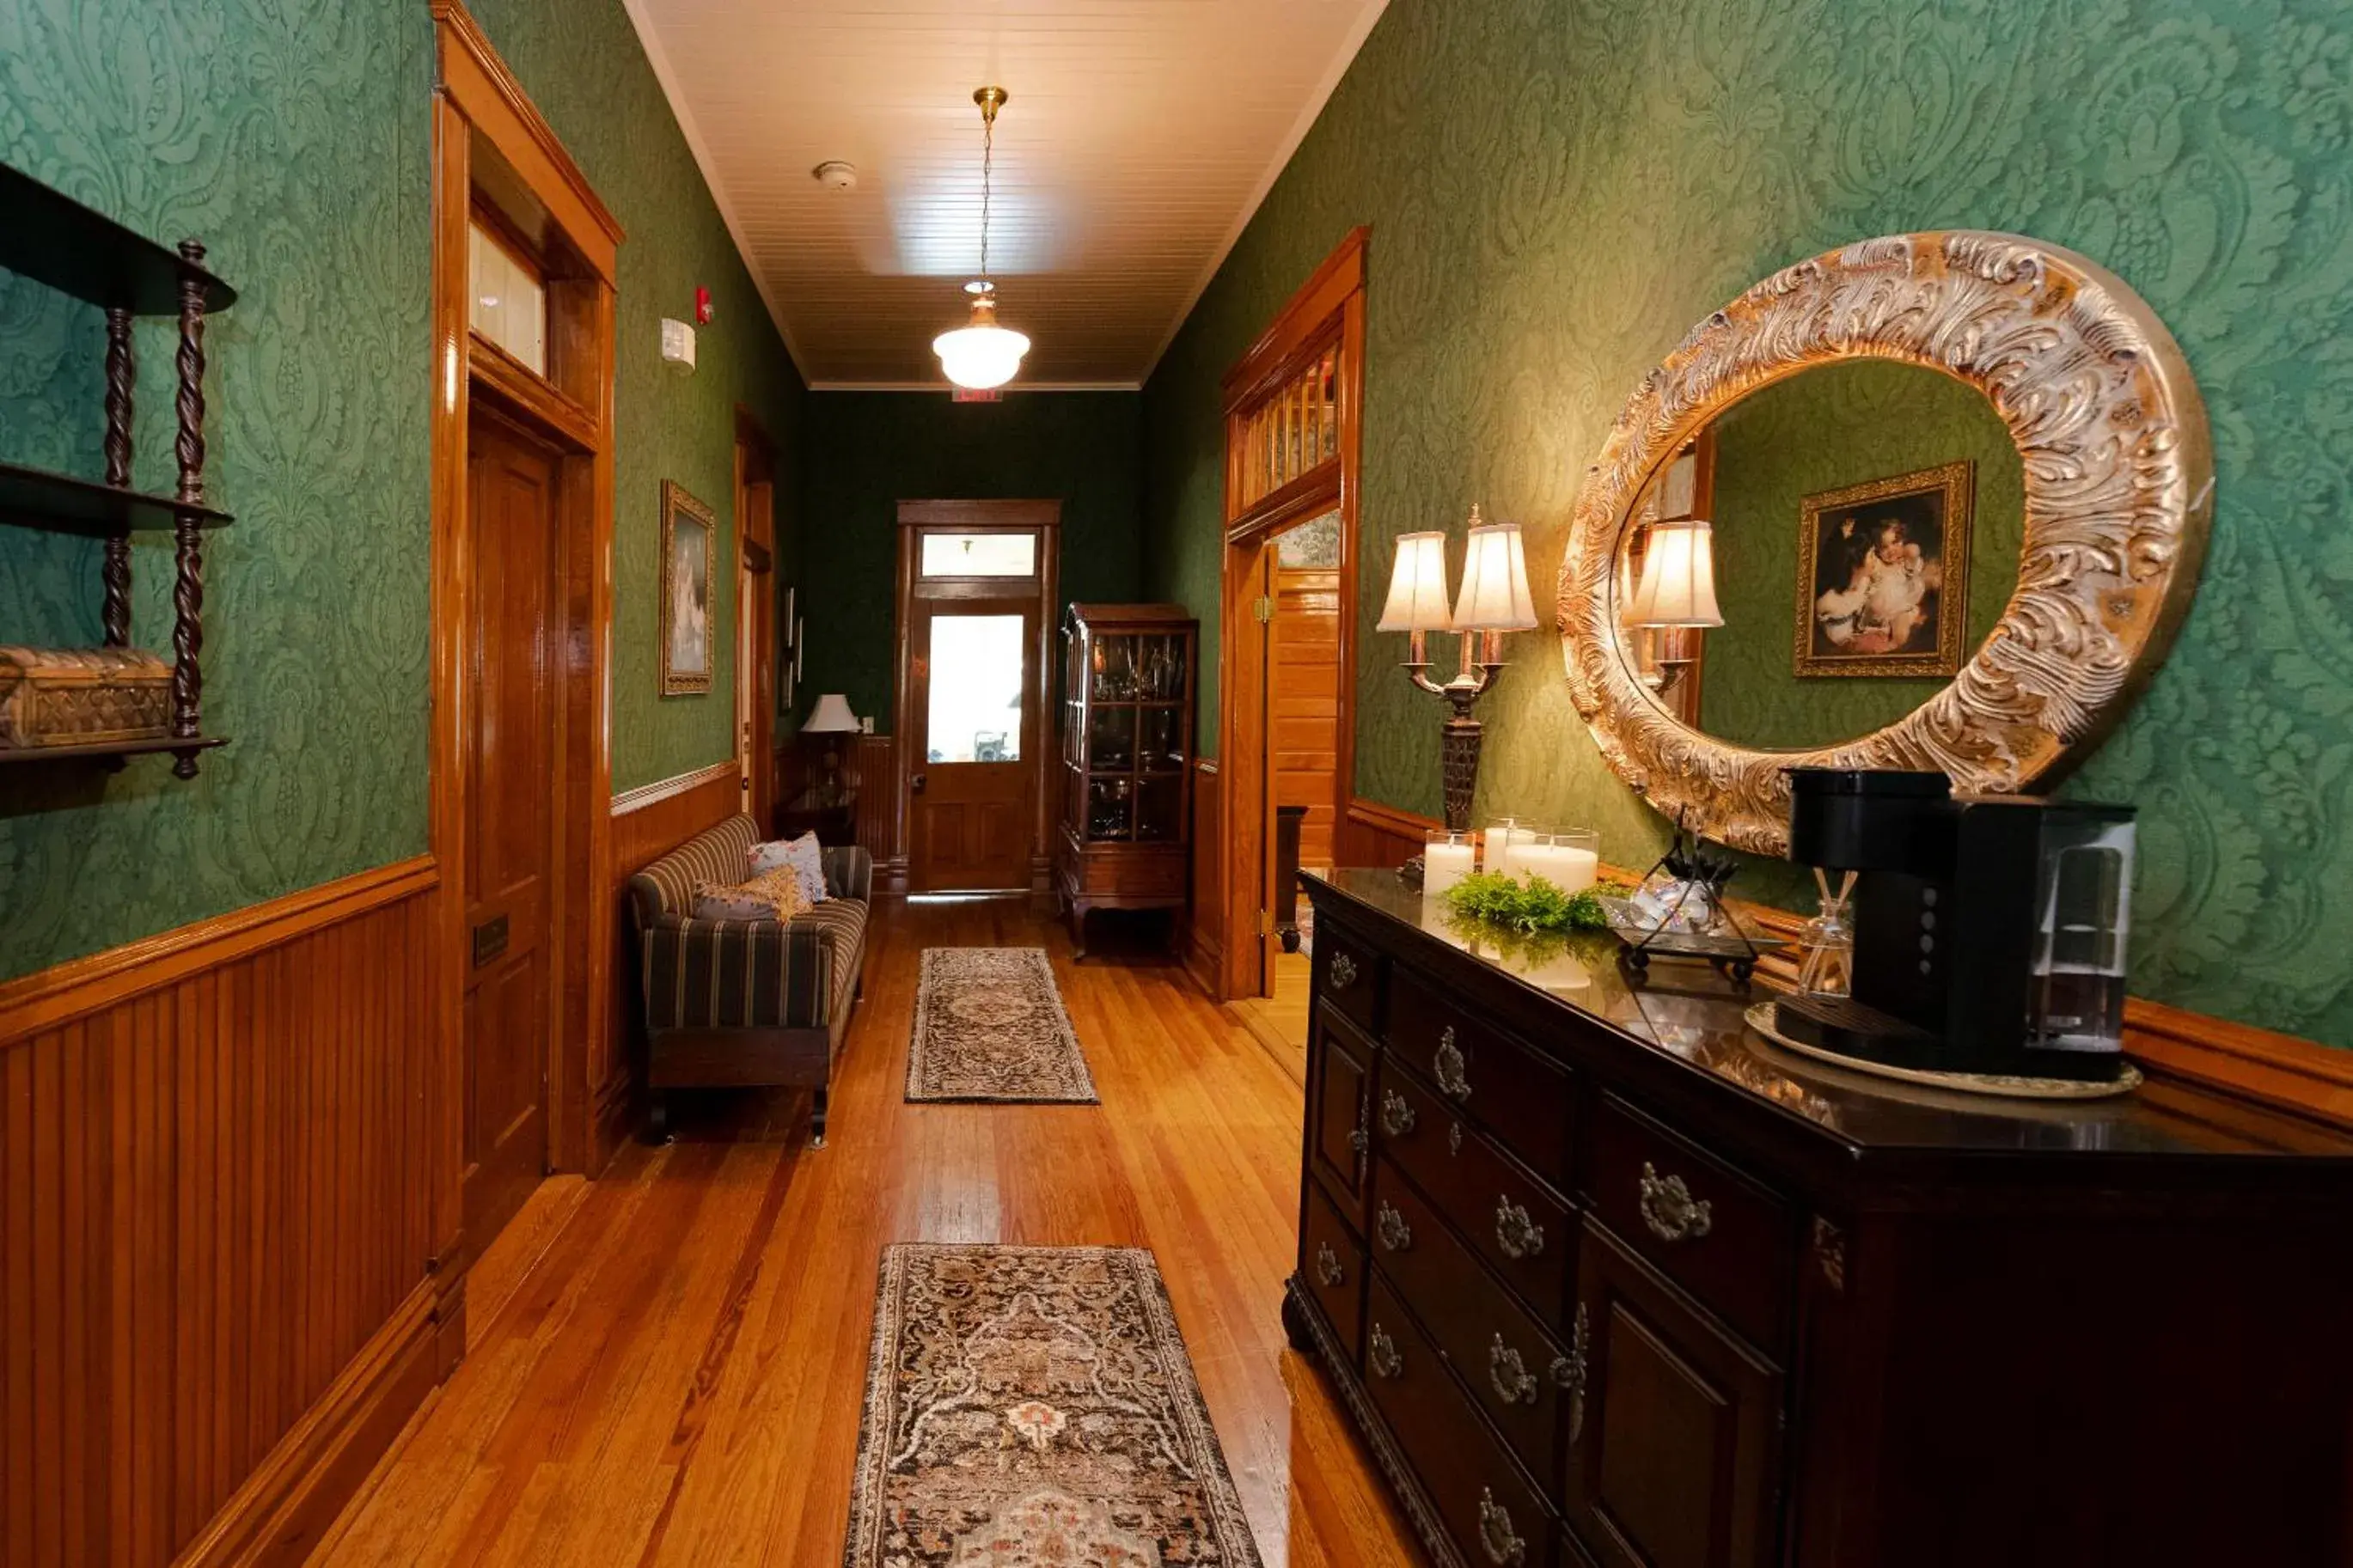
1329	309
1045	519
491	145
756	633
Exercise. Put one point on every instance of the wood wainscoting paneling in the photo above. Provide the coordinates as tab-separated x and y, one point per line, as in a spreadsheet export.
1376	835
874	767
1203	951
220	1151
649	822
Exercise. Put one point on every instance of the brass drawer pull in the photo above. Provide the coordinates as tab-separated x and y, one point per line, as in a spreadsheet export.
1509	1375
1381	1353
1396	1116
1395	1235
1327	1266
1344	971
1448	1064
1669	1210
1503	1547
1569	1373
1516	1232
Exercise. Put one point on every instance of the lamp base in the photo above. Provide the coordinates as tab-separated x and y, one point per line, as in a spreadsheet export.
1458	767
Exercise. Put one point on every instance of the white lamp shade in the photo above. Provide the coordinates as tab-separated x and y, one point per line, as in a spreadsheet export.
983	355
1494	582
1417	600
831	717
1678	585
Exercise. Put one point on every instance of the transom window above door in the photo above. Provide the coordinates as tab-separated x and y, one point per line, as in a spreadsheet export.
979	554
507	297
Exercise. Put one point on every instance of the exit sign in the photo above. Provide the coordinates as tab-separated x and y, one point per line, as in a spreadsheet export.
974	394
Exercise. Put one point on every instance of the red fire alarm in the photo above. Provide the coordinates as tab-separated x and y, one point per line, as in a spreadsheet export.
701	307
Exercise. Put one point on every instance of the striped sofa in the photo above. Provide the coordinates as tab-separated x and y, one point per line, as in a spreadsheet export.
745	1003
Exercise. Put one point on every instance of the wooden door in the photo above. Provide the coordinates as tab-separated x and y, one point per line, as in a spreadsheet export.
1304	748
1671	1455
973	782
509	834
756	647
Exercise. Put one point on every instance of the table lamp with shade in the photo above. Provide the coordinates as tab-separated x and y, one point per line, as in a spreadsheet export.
1494	600
832	718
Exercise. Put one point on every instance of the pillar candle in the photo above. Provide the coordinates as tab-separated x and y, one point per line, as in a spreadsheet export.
1569	868
1442	866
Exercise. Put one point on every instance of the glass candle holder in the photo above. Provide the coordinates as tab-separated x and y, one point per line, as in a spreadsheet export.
1567	857
1446	859
1502	834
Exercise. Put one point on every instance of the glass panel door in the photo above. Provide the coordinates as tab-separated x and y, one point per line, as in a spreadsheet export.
976	698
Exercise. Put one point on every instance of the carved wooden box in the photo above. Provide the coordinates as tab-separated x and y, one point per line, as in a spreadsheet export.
82	697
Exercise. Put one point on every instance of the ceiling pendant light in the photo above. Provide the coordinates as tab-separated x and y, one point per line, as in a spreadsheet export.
982	354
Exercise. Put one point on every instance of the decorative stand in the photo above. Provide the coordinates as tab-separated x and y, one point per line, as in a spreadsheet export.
57	241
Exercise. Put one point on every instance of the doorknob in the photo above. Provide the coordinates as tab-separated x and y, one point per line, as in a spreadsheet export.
915	783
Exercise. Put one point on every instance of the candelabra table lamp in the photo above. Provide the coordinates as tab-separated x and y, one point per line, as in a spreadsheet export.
1494	600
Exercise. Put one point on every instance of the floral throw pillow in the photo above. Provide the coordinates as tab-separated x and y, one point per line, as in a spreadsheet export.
803	855
771	896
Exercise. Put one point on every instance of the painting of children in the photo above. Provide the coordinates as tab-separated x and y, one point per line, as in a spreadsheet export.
1883	575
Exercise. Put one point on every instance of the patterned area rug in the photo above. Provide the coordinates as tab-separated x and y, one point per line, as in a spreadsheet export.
1034	1407
989	1026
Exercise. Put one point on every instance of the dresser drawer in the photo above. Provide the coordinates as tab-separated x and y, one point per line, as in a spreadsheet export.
1486	1505
1713	1231
1510	1365
1331	1261
1350	976
1498	1080
1523	1231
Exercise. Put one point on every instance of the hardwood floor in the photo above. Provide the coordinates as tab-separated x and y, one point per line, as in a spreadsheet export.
667	1363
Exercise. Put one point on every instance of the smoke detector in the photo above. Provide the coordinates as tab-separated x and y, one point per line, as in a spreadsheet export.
836	175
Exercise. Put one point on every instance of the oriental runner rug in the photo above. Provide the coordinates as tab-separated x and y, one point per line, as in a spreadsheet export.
989	1026
1034	1408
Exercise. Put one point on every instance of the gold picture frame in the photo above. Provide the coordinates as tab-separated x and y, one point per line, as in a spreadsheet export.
1884	575
690	550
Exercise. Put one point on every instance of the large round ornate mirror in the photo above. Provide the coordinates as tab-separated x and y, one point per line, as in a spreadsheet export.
1935	500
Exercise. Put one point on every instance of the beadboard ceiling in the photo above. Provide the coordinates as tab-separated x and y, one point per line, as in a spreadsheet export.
1138	137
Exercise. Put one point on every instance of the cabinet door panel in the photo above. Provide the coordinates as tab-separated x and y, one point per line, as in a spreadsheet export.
1673	1457
1339	1114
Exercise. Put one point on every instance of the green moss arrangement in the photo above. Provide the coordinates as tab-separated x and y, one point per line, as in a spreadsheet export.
1530	908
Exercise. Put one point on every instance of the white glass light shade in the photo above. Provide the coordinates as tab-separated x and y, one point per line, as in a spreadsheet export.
1417	601
1494	582
983	355
831	717
1678	585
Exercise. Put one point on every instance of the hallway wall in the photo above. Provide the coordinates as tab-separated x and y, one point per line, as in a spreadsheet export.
865	452
1558	189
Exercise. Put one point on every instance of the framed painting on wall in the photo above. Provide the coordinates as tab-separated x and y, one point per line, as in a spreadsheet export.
1882	574
689	542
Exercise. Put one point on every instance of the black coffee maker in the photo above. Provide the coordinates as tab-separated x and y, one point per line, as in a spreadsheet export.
1990	930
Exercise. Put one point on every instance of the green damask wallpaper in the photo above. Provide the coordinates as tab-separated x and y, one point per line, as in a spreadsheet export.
1559	188
294	140
1829	427
868	451
294	144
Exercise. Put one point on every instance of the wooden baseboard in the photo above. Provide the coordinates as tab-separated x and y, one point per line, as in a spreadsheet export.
286	1507
1204	961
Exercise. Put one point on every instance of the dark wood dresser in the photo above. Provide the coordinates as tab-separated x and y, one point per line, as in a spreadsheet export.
1605	1279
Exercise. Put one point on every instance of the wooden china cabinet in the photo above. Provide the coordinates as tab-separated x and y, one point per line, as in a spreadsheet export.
1128	755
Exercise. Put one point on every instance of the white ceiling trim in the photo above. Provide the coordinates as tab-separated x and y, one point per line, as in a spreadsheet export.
658	57
1281	161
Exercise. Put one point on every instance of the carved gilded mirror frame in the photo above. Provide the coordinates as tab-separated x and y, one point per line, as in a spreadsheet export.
2120	492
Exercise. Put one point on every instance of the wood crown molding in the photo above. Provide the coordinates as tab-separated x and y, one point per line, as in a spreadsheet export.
493	101
49	997
644	795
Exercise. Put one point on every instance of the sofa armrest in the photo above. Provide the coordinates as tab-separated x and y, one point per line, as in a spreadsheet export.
752	974
850	873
